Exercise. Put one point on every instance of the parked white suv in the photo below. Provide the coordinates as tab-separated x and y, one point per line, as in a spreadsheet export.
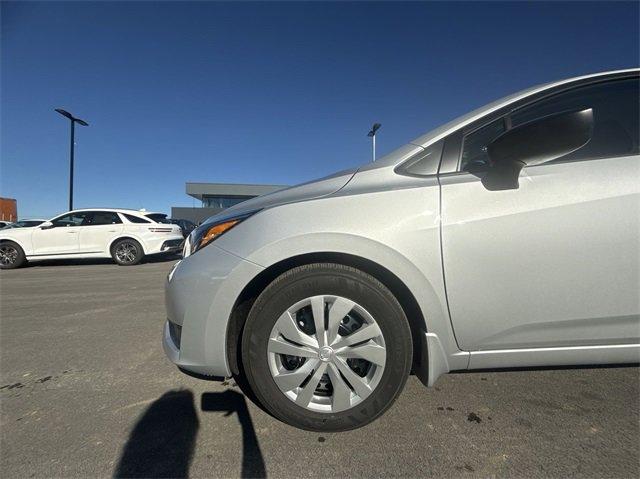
125	235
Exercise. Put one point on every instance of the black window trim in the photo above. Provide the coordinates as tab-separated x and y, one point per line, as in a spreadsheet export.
452	153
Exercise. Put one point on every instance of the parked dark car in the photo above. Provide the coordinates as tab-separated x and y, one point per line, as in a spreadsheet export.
185	225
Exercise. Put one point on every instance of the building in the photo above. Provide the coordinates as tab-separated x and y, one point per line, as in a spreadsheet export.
8	209
215	197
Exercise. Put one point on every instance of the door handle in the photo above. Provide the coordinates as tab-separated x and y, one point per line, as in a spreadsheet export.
72	232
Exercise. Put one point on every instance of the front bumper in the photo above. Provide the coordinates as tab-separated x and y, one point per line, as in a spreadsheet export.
171	349
157	243
200	294
172	245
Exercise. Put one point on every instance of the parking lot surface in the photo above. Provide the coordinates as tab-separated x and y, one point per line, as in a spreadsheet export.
85	390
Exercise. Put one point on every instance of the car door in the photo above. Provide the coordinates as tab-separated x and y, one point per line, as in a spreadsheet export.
99	229
61	238
555	262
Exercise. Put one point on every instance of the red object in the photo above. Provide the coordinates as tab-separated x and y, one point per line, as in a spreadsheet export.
8	209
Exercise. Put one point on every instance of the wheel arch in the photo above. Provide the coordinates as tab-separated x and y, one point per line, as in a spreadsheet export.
253	289
126	236
7	239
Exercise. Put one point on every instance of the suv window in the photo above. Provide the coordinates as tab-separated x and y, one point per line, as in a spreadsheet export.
95	218
616	112
135	219
71	219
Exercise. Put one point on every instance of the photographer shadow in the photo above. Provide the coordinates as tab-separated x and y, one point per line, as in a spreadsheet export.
162	442
231	402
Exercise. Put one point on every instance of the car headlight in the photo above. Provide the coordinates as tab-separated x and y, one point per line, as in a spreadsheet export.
209	231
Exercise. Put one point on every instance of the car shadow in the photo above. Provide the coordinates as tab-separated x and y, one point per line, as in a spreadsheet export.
156	258
163	440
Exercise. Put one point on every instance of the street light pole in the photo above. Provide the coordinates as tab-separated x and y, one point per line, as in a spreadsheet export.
73	120
71	152
372	134
373	142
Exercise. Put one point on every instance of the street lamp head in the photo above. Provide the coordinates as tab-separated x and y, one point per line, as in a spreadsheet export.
65	113
374	128
71	117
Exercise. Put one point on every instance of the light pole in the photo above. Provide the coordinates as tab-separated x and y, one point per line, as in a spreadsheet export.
372	134
74	120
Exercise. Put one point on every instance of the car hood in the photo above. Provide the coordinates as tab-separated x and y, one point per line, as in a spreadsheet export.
16	232
306	191
318	188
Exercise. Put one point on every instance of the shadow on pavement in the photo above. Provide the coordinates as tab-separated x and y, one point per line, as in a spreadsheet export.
155	258
163	440
231	402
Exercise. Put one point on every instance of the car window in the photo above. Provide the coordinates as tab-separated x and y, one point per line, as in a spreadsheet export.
96	218
27	223
71	219
616	130
135	219
474	147
159	218
616	111
425	162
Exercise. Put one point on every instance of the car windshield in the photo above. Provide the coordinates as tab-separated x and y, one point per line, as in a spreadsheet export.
158	218
26	223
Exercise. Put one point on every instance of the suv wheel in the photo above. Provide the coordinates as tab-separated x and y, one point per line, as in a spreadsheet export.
11	255
326	347
127	252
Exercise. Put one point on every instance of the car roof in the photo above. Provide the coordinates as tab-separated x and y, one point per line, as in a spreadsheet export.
117	210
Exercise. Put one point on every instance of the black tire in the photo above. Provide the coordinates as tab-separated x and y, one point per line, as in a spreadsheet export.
326	279
127	252
11	255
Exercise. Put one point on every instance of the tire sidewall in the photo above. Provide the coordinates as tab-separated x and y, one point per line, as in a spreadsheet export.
346	282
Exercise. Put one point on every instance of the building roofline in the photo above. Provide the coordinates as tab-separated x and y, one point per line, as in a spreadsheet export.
200	190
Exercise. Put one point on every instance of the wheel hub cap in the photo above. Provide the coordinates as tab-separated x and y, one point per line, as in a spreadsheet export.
326	353
126	252
8	255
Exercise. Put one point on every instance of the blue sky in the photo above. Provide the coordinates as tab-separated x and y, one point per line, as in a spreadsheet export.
262	92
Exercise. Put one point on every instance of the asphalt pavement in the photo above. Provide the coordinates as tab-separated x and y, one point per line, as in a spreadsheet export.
85	391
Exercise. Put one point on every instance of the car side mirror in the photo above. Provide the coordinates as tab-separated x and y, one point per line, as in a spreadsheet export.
46	225
534	143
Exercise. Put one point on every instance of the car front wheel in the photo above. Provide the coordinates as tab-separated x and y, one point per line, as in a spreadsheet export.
11	255
326	347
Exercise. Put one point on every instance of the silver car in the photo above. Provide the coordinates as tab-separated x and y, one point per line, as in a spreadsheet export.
506	238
